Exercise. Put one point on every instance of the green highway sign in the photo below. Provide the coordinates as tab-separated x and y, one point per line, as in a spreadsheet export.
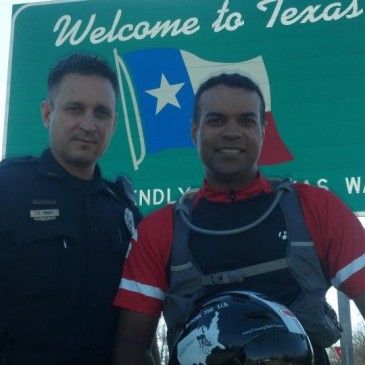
307	56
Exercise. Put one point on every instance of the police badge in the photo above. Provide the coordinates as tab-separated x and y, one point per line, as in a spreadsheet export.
129	221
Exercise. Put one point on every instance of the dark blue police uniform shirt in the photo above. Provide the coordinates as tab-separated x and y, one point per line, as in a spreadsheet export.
62	245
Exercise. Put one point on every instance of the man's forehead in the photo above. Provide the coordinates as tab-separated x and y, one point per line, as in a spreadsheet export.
223	88
225	96
82	88
78	78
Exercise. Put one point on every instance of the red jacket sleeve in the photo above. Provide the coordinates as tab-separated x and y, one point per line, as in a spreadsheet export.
339	238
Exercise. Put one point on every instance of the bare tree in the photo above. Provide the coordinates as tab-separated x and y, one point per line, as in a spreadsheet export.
358	340
334	358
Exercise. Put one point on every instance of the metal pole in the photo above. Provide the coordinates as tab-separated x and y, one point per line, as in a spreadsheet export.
345	320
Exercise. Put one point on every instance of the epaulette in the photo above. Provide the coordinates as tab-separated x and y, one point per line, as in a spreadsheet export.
123	189
17	160
124	185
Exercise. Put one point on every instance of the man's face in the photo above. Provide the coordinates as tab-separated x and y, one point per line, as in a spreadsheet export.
81	119
229	136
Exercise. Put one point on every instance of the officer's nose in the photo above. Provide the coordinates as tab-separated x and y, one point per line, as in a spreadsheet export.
88	122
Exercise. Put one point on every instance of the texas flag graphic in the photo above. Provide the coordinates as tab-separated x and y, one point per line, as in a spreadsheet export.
157	94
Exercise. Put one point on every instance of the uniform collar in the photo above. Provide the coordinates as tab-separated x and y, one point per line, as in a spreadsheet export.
50	167
259	185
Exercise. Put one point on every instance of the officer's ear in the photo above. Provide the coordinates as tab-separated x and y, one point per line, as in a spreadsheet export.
46	110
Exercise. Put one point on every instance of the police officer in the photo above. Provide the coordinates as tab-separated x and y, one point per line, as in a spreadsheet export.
64	230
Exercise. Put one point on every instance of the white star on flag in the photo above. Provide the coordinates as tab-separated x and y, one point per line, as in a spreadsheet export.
165	94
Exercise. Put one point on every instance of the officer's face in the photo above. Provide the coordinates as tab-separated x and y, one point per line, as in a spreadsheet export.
81	119
229	136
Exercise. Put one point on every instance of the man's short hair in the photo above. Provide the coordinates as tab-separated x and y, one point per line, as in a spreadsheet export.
82	64
234	80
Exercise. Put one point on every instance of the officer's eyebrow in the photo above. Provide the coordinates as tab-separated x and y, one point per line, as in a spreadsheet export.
104	109
74	103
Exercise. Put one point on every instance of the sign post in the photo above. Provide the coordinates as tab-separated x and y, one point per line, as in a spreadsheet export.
346	351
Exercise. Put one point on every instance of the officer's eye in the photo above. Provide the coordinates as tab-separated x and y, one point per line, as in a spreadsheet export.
74	109
103	113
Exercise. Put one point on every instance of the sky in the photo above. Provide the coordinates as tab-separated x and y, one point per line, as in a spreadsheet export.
5	29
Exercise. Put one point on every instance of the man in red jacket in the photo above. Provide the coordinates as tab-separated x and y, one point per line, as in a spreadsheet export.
228	129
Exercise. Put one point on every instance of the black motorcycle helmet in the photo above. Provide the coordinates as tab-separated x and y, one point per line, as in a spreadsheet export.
242	328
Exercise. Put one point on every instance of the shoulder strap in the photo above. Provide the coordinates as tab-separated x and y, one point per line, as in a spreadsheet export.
292	211
180	250
123	190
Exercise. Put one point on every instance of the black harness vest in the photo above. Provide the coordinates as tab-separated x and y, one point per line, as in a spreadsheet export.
293	260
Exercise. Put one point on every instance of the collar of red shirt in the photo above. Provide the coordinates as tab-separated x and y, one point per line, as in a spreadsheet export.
259	185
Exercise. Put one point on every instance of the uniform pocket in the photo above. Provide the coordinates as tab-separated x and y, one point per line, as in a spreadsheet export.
119	241
42	251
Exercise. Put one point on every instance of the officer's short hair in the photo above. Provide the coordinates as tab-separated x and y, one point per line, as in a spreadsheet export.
82	64
230	80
